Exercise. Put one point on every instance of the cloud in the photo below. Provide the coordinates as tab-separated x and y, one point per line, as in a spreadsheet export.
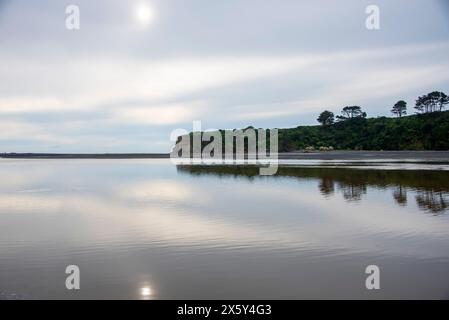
18	130
20	104
97	81
159	114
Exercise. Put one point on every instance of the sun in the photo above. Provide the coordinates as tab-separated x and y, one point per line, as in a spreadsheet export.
145	291
144	14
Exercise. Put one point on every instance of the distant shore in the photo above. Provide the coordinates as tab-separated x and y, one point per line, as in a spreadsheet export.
427	156
85	155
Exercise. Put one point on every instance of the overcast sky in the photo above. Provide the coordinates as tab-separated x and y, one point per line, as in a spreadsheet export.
122	84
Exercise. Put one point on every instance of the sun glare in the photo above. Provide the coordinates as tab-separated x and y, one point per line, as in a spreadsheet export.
144	14
145	291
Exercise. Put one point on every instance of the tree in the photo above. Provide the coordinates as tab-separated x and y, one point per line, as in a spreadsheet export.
400	108
433	98
326	118
442	100
351	112
422	104
431	102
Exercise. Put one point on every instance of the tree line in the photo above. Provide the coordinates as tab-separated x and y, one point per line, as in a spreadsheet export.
352	130
431	102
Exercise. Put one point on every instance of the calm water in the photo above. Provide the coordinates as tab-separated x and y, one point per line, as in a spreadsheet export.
146	226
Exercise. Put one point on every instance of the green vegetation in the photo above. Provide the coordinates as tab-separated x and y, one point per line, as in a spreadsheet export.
326	118
428	130
418	132
434	101
352	112
400	108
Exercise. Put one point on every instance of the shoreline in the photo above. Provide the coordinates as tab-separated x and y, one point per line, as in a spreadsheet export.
366	156
85	155
369	156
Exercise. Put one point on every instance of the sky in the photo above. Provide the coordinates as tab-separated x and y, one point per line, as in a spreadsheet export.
136	70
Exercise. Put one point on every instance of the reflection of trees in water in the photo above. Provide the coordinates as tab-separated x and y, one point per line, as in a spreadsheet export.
432	187
432	201
352	191
400	195
327	186
427	199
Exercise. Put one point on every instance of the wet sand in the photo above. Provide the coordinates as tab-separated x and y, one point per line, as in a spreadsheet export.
425	156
